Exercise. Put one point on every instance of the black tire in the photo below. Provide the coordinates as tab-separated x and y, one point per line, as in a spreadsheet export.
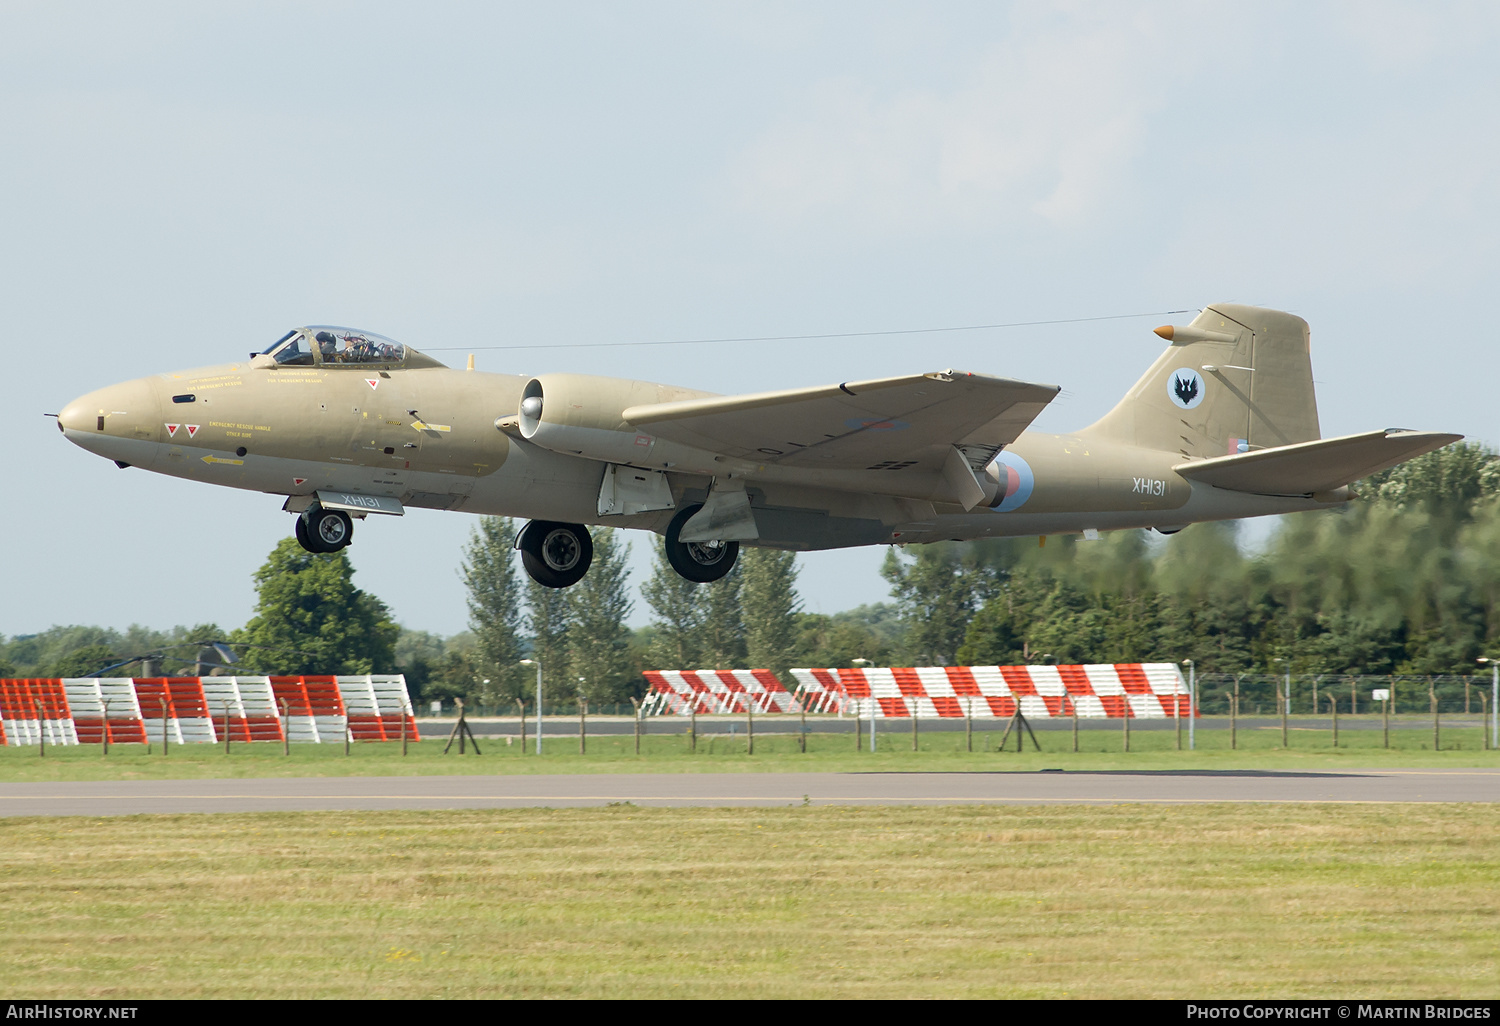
699	562
302	538
556	555
329	530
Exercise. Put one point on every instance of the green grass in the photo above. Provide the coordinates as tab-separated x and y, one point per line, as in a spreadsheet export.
721	753
1127	901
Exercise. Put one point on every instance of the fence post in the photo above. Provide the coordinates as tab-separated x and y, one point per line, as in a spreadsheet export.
969	723
1385	712
104	734
1484	716
1333	708
1125	701
164	725
693	725
401	711
286	734
1233	705
226	728
1432	698
583	724
914	726
802	737
858	719
637	705
1073	704
521	707
749	724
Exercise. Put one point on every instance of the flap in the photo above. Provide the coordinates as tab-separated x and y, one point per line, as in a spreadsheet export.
910	421
1319	466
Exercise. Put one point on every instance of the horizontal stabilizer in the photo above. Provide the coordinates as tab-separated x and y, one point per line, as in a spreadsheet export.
1319	466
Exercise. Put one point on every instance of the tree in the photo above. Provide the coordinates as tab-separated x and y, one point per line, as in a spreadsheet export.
599	641
309	617
494	600
676	641
84	662
723	630
549	616
939	591
770	604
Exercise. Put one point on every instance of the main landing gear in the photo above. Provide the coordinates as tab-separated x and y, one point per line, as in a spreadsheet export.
558	555
699	562
324	530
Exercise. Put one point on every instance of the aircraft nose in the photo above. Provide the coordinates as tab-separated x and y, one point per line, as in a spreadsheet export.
127	410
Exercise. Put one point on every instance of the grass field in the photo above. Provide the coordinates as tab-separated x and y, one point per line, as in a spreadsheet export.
721	753
1125	901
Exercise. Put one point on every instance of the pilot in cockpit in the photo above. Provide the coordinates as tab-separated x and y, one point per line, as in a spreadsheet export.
327	343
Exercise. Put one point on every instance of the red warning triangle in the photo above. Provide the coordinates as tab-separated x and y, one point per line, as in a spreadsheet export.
299	480
192	429
172	430
373	382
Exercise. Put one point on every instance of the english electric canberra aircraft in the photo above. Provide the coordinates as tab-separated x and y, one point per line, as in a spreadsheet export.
347	423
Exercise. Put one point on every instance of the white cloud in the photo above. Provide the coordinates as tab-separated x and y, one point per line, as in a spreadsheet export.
1044	128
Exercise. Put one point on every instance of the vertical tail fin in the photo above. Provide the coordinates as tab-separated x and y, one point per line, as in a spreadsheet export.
1237	378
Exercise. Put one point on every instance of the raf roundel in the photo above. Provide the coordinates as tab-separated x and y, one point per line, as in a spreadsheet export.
1185	388
1016	481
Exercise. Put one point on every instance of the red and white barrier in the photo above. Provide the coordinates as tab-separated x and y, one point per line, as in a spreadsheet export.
1137	690
32	708
370	707
250	704
187	717
680	692
375	705
103	706
314	708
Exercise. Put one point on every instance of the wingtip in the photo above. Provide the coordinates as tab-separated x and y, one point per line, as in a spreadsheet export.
1165	331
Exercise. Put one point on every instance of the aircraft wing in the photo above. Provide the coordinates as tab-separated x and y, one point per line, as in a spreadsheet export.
885	424
1318	466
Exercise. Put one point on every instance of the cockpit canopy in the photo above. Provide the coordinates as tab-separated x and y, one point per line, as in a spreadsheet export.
327	345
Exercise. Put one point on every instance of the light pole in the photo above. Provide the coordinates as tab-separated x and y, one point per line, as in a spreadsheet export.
863	663
538	664
1192	700
1494	700
1286	695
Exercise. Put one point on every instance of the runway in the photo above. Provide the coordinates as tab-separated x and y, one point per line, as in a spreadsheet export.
298	794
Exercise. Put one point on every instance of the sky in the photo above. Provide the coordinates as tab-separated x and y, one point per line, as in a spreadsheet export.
184	182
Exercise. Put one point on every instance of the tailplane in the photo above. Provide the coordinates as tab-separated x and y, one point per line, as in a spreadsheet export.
1237	379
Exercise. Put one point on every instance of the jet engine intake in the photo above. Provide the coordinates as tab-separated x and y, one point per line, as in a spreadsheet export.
581	415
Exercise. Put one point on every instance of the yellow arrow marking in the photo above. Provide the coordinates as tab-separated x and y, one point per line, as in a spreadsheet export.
430	427
220	459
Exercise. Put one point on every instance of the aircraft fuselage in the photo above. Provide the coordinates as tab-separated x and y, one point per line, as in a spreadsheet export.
437	437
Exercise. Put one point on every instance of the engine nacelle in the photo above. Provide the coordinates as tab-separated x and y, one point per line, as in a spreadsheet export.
579	415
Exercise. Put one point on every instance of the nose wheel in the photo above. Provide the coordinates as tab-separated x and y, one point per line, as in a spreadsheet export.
699	562
555	555
324	530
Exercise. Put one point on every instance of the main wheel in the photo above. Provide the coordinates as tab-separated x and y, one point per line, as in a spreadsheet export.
326	530
556	555
699	562
302	538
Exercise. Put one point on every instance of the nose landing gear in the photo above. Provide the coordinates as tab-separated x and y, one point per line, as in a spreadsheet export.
324	530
